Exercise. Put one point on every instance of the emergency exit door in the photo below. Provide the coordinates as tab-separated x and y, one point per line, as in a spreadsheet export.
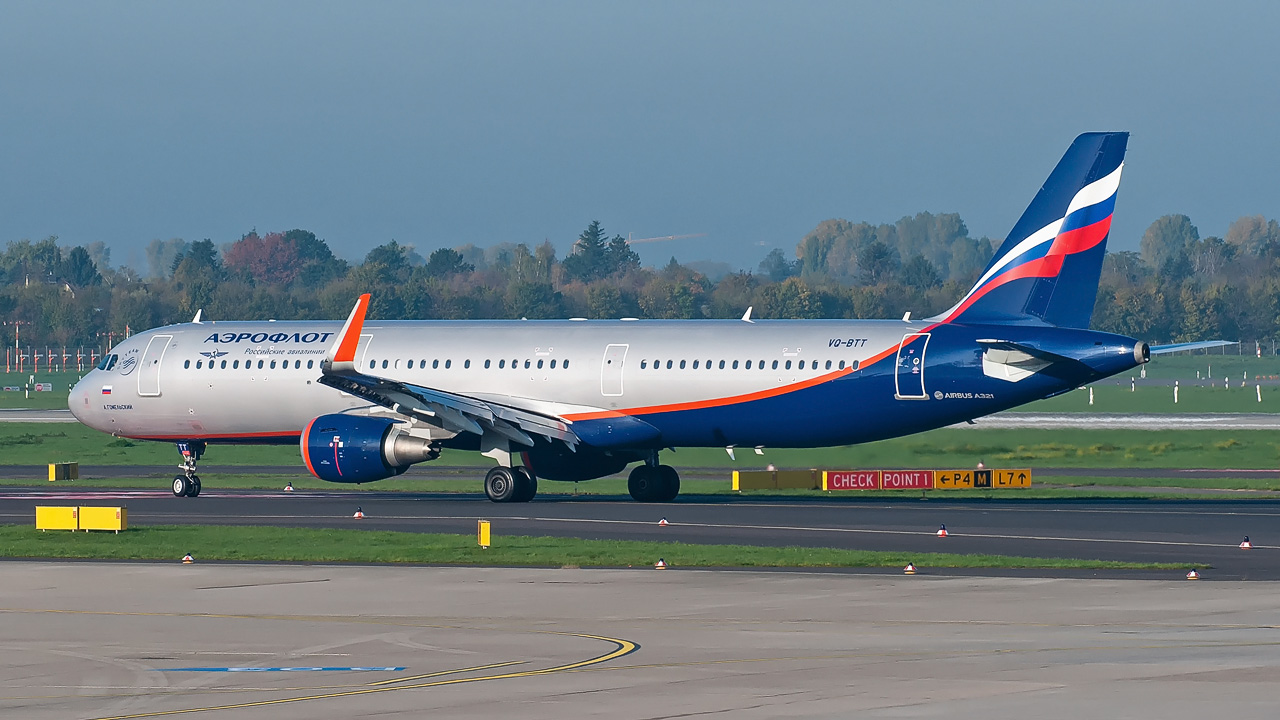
908	380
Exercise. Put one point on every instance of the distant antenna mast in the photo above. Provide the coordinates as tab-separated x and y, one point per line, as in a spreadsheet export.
663	238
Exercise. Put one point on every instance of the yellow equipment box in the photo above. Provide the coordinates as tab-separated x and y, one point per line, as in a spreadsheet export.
482	533
56	518
777	479
104	518
64	471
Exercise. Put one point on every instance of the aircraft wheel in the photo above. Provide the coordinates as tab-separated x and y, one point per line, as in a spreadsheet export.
500	485
526	484
181	486
669	488
194	489
645	484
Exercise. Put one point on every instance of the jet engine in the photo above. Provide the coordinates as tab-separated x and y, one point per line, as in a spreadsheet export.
359	449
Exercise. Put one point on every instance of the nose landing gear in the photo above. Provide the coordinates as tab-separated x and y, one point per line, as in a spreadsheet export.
188	484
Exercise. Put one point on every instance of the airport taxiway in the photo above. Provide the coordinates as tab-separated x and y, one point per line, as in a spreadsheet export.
1176	531
99	640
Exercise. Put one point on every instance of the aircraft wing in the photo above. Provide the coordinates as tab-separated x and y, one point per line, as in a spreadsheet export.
1165	349
453	411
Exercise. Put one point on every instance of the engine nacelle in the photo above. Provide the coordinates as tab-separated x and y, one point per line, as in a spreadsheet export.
359	449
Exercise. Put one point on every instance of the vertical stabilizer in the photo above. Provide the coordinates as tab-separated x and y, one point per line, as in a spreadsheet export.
1047	270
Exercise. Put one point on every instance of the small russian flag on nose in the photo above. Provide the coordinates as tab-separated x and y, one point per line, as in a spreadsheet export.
106	389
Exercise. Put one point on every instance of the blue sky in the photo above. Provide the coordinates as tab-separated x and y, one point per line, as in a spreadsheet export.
485	122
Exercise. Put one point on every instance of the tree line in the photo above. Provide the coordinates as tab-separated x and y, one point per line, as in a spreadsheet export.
1178	287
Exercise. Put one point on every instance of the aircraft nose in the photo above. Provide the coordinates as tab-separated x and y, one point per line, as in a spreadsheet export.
78	400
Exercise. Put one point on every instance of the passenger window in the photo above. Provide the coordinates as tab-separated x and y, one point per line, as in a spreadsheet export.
186	364
384	364
297	364
801	364
735	364
309	364
259	364
670	363
372	363
273	364
644	364
466	364
553	364
410	365
224	364
486	364
748	364
681	364
435	364
539	363
828	364
199	364
502	364
788	364
695	364
235	365
775	364
448	364
526	364
708	365
566	364
841	364
721	364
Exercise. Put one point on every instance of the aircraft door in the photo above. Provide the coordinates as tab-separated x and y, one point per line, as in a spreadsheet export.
149	370
611	370
908	379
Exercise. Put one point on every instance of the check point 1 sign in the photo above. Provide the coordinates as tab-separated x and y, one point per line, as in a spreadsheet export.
851	480
906	480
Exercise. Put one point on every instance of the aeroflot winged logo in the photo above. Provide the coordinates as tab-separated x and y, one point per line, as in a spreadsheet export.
214	354
300	338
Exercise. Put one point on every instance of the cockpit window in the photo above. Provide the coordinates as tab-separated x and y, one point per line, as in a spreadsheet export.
111	362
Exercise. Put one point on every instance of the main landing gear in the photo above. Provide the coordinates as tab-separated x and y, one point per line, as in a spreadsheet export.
510	484
654	483
188	484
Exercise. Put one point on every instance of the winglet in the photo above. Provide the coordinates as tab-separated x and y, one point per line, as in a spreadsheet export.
342	354
196	319
746	316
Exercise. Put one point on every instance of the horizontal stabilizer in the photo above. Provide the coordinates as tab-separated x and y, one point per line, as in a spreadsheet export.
1179	347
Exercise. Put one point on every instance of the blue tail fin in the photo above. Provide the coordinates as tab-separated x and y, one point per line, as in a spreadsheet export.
1047	270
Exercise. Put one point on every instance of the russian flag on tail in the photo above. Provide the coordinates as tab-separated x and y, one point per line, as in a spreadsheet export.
1046	272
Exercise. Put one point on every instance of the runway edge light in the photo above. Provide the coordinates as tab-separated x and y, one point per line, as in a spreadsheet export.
187	559
910	569
1246	545
359	514
942	531
661	564
1193	575
663	522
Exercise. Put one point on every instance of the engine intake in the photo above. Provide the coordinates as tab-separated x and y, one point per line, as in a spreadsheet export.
358	449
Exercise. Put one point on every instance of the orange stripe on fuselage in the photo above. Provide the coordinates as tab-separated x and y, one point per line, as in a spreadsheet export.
714	402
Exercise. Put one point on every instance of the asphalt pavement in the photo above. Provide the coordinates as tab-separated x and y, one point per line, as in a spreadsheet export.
1190	532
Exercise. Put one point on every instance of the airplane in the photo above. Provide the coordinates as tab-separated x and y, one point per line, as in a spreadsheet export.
573	400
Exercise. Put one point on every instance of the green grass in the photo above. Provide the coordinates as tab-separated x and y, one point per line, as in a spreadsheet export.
1109	397
41	443
57	398
170	542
